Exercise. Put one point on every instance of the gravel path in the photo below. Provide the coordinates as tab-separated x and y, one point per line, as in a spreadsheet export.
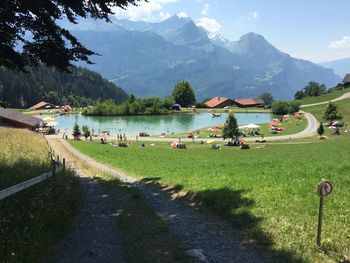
95	237
211	238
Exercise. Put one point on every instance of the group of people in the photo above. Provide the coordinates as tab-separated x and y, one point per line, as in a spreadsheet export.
121	137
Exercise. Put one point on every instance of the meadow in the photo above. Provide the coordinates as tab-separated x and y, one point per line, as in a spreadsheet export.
31	221
325	97
267	193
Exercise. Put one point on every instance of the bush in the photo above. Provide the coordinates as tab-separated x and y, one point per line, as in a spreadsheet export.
284	107
280	107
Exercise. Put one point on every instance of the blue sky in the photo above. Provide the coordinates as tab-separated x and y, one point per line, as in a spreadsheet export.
316	30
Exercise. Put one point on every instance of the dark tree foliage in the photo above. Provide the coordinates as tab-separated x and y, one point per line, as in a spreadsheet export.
320	130
86	131
331	113
284	107
80	88
145	106
76	130
183	94
231	127
32	24
267	98
312	89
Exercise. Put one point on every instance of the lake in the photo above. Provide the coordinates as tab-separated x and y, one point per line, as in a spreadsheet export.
155	124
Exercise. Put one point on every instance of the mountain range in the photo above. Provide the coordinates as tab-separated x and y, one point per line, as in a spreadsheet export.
340	66
148	59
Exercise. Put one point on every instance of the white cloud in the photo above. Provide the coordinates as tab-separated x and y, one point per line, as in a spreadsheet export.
205	10
153	10
340	44
182	15
209	24
253	15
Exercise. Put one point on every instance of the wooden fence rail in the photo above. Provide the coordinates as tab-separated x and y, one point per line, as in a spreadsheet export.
27	184
56	168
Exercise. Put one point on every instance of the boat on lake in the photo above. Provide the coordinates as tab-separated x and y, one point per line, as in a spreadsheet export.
216	115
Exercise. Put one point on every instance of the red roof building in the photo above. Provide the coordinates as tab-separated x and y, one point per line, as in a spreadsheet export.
219	102
43	105
248	102
16	119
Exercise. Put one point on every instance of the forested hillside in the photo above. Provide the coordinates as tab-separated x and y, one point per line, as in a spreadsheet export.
80	88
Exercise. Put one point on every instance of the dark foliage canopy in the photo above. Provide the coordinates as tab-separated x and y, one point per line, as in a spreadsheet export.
183	94
80	88
32	25
332	113
312	89
231	129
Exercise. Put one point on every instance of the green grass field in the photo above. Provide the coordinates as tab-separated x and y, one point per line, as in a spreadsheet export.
326	97
343	108
22	157
31	221
267	193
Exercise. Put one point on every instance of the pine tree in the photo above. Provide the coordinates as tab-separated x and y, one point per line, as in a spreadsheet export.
331	113
86	131
76	130
320	130
231	127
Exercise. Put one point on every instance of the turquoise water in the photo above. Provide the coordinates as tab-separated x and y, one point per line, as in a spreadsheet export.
155	125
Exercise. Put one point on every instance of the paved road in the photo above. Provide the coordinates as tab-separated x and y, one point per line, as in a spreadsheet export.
345	96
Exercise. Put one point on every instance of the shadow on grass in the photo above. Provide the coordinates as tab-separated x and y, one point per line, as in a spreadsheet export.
20	171
232	206
33	219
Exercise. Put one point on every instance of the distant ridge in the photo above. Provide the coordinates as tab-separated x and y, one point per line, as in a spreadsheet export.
340	66
148	59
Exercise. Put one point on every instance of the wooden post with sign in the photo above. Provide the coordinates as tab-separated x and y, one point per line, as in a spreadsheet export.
325	187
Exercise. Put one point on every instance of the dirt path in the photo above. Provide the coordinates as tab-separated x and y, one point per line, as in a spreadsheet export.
95	237
211	238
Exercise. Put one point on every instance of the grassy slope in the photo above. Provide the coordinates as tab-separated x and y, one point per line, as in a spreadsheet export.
267	193
326	97
23	156
32	220
343	108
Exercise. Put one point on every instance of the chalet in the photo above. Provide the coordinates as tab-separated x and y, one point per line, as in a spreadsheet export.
219	102
16	119
42	105
346	80
248	102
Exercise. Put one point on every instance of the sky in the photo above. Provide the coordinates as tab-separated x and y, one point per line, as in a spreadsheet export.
316	30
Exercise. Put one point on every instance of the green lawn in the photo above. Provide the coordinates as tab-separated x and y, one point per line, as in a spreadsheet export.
326	97
23	156
267	193
343	108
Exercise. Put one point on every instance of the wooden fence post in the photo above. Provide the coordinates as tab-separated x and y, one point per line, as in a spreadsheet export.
53	167
64	165
58	158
